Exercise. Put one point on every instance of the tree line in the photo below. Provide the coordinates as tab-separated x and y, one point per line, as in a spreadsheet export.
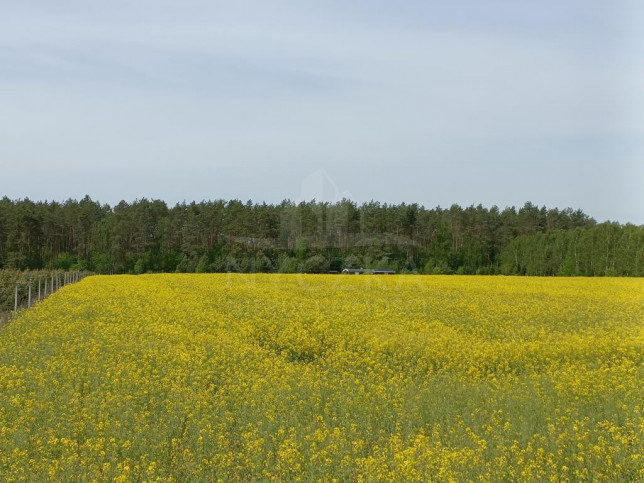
317	237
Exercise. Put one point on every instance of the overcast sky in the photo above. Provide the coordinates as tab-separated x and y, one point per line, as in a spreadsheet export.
432	102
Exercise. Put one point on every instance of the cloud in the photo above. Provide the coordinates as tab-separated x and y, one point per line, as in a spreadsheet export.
249	98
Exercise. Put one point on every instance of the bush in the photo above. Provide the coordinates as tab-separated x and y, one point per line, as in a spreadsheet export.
316	264
352	262
263	263
288	265
202	266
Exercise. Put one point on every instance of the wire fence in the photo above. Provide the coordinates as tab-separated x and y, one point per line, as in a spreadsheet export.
22	289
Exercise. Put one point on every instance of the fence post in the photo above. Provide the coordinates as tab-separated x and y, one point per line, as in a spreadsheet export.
29	296
39	289
15	299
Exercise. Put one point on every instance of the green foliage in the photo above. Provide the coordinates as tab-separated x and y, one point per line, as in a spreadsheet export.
352	262
184	265
139	266
316	264
607	249
202	266
65	261
263	263
288	265
302	248
16	260
220	236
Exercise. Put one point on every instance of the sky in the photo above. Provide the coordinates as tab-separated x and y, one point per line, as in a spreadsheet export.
495	102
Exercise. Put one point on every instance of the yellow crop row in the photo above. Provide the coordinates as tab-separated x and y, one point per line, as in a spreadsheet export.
318	378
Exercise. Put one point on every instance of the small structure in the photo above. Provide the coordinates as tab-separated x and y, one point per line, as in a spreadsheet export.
383	271
353	271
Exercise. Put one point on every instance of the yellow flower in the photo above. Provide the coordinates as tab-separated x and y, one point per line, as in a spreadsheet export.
314	378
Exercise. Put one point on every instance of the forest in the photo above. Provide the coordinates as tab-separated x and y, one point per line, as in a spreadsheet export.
313	237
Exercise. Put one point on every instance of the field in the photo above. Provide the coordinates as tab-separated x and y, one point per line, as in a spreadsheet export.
15	287
313	378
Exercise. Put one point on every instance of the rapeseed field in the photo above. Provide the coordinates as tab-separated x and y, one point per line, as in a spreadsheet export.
234	377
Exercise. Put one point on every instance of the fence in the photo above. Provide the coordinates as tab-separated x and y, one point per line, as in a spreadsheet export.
20	290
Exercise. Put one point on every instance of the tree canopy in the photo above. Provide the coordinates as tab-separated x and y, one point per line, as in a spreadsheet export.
215	236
